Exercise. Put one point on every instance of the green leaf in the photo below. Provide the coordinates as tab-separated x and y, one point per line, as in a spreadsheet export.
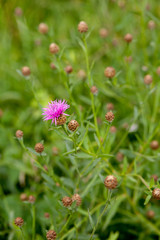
90	219
147	199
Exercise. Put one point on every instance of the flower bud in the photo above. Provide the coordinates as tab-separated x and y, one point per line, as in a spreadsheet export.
156	193
23	197
158	71
26	71
155	177
61	120
67	201
31	199
110	182
43	28
119	157
19	222
94	90
148	79
110	106
76	197
39	147
46	215
150	214
128	38
52	66
154	145
103	32
109	72
81	74
18	12
109	116
51	235
151	25
82	27
53	48
68	69
19	134
73	125
113	129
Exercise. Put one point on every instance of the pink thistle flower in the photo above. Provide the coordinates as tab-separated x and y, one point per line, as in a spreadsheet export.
54	109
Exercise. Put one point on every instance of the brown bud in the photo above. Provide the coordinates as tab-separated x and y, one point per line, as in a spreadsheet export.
125	125
113	129
155	177
128	38
119	157
158	71
115	42
76	197
61	120
53	48
81	74
94	90
19	134
73	125
150	214
110	106
121	3
46	215
52	66
18	12
51	235
19	222
39	147
23	197
82	27
154	145
31	199
151	25
68	69
109	72
156	193
103	32
57	184
148	79
55	151
67	201
26	71
110	182
43	28
45	168
109	116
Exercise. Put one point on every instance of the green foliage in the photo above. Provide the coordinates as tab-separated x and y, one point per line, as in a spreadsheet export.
78	162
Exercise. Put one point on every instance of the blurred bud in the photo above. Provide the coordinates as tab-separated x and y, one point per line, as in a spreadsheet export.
119	157
150	214
82	27
46	215
151	25
154	145
155	177
148	79
109	116
144	68
23	197
45	168
82	74
53	48
19	222
128	59
1	112
68	69
109	72
31	199
158	71
52	66
18	12
128	38
39	147
113	129
26	71
55	151
110	106
94	90
103	32
19	134
43	28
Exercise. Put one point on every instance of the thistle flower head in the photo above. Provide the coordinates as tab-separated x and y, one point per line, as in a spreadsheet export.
54	110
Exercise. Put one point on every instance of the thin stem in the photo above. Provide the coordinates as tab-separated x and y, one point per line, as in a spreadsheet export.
65	225
98	220
33	221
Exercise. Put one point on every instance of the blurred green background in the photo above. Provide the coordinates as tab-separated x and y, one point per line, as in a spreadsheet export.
21	102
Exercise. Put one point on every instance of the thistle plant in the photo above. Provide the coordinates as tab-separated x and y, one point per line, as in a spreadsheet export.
79	121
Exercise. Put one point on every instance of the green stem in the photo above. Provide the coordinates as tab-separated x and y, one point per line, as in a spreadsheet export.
99	218
65	225
33	221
